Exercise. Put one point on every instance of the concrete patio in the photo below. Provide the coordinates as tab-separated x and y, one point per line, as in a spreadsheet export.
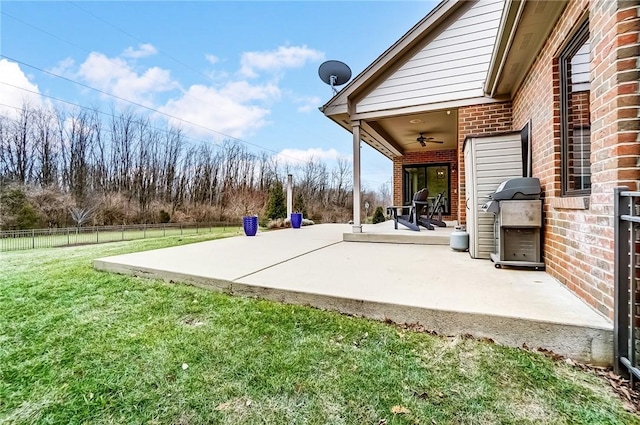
444	290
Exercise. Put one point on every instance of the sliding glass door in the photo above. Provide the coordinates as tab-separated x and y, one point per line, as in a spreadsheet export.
435	177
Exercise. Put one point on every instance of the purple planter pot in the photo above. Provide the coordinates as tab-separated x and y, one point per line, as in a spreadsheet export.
250	225
296	220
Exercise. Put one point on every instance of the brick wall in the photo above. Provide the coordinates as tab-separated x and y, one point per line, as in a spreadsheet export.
423	158
579	244
476	121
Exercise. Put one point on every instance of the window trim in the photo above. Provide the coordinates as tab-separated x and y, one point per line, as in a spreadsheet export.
578	38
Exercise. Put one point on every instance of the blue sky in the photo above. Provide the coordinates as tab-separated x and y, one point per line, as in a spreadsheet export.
244	69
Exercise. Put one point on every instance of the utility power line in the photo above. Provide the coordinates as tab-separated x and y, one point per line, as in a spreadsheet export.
50	34
115	27
18	108
145	107
118	97
92	109
173	58
44	31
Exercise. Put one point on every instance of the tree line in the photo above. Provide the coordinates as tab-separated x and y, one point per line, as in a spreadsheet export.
124	168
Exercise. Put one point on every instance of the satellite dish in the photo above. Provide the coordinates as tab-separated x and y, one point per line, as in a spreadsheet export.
334	73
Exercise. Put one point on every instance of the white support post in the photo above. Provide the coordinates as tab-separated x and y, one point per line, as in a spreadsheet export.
289	195
357	226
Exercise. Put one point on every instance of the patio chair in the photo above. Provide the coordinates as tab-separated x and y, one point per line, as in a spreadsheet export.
413	220
437	208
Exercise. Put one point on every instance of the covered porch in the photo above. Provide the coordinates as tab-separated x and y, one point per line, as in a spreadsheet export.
448	78
423	148
417	102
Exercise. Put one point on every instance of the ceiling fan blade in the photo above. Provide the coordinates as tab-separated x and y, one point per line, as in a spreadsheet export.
424	140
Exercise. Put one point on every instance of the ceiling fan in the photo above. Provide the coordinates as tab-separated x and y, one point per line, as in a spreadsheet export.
424	140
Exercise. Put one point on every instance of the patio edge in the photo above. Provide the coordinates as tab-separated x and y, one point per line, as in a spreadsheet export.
582	343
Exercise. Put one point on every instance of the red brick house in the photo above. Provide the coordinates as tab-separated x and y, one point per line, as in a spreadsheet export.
561	76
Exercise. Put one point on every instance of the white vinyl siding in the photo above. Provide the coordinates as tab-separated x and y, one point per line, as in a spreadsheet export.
453	65
488	162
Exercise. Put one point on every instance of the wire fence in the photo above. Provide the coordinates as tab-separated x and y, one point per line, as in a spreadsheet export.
14	240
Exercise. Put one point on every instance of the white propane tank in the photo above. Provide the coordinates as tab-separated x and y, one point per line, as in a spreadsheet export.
459	240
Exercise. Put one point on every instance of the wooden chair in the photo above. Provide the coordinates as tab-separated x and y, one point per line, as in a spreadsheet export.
412	220
437	208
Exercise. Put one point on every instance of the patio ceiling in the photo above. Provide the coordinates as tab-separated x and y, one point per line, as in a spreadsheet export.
404	130
396	135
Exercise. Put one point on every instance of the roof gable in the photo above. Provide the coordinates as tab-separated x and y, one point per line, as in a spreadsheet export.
450	65
338	103
444	57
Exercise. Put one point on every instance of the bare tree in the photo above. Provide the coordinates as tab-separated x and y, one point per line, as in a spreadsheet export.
123	135
385	194
135	169
17	148
171	150
80	135
46	147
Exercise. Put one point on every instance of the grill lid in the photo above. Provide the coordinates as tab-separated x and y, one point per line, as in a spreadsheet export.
519	188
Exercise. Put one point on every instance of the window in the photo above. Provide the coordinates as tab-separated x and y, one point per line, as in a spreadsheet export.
434	177
575	102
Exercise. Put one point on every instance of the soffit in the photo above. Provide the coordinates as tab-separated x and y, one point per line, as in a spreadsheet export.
525	27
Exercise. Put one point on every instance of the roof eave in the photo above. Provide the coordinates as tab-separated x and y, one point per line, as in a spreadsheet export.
511	15
518	17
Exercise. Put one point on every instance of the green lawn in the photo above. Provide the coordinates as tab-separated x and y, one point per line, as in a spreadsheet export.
80	346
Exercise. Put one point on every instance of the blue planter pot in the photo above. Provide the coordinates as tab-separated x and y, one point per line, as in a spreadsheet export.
250	225
296	220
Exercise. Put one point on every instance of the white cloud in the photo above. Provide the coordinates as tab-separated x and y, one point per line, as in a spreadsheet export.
212	59
281	58
242	91
63	67
143	51
116	76
235	107
15	89
227	110
308	104
298	156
